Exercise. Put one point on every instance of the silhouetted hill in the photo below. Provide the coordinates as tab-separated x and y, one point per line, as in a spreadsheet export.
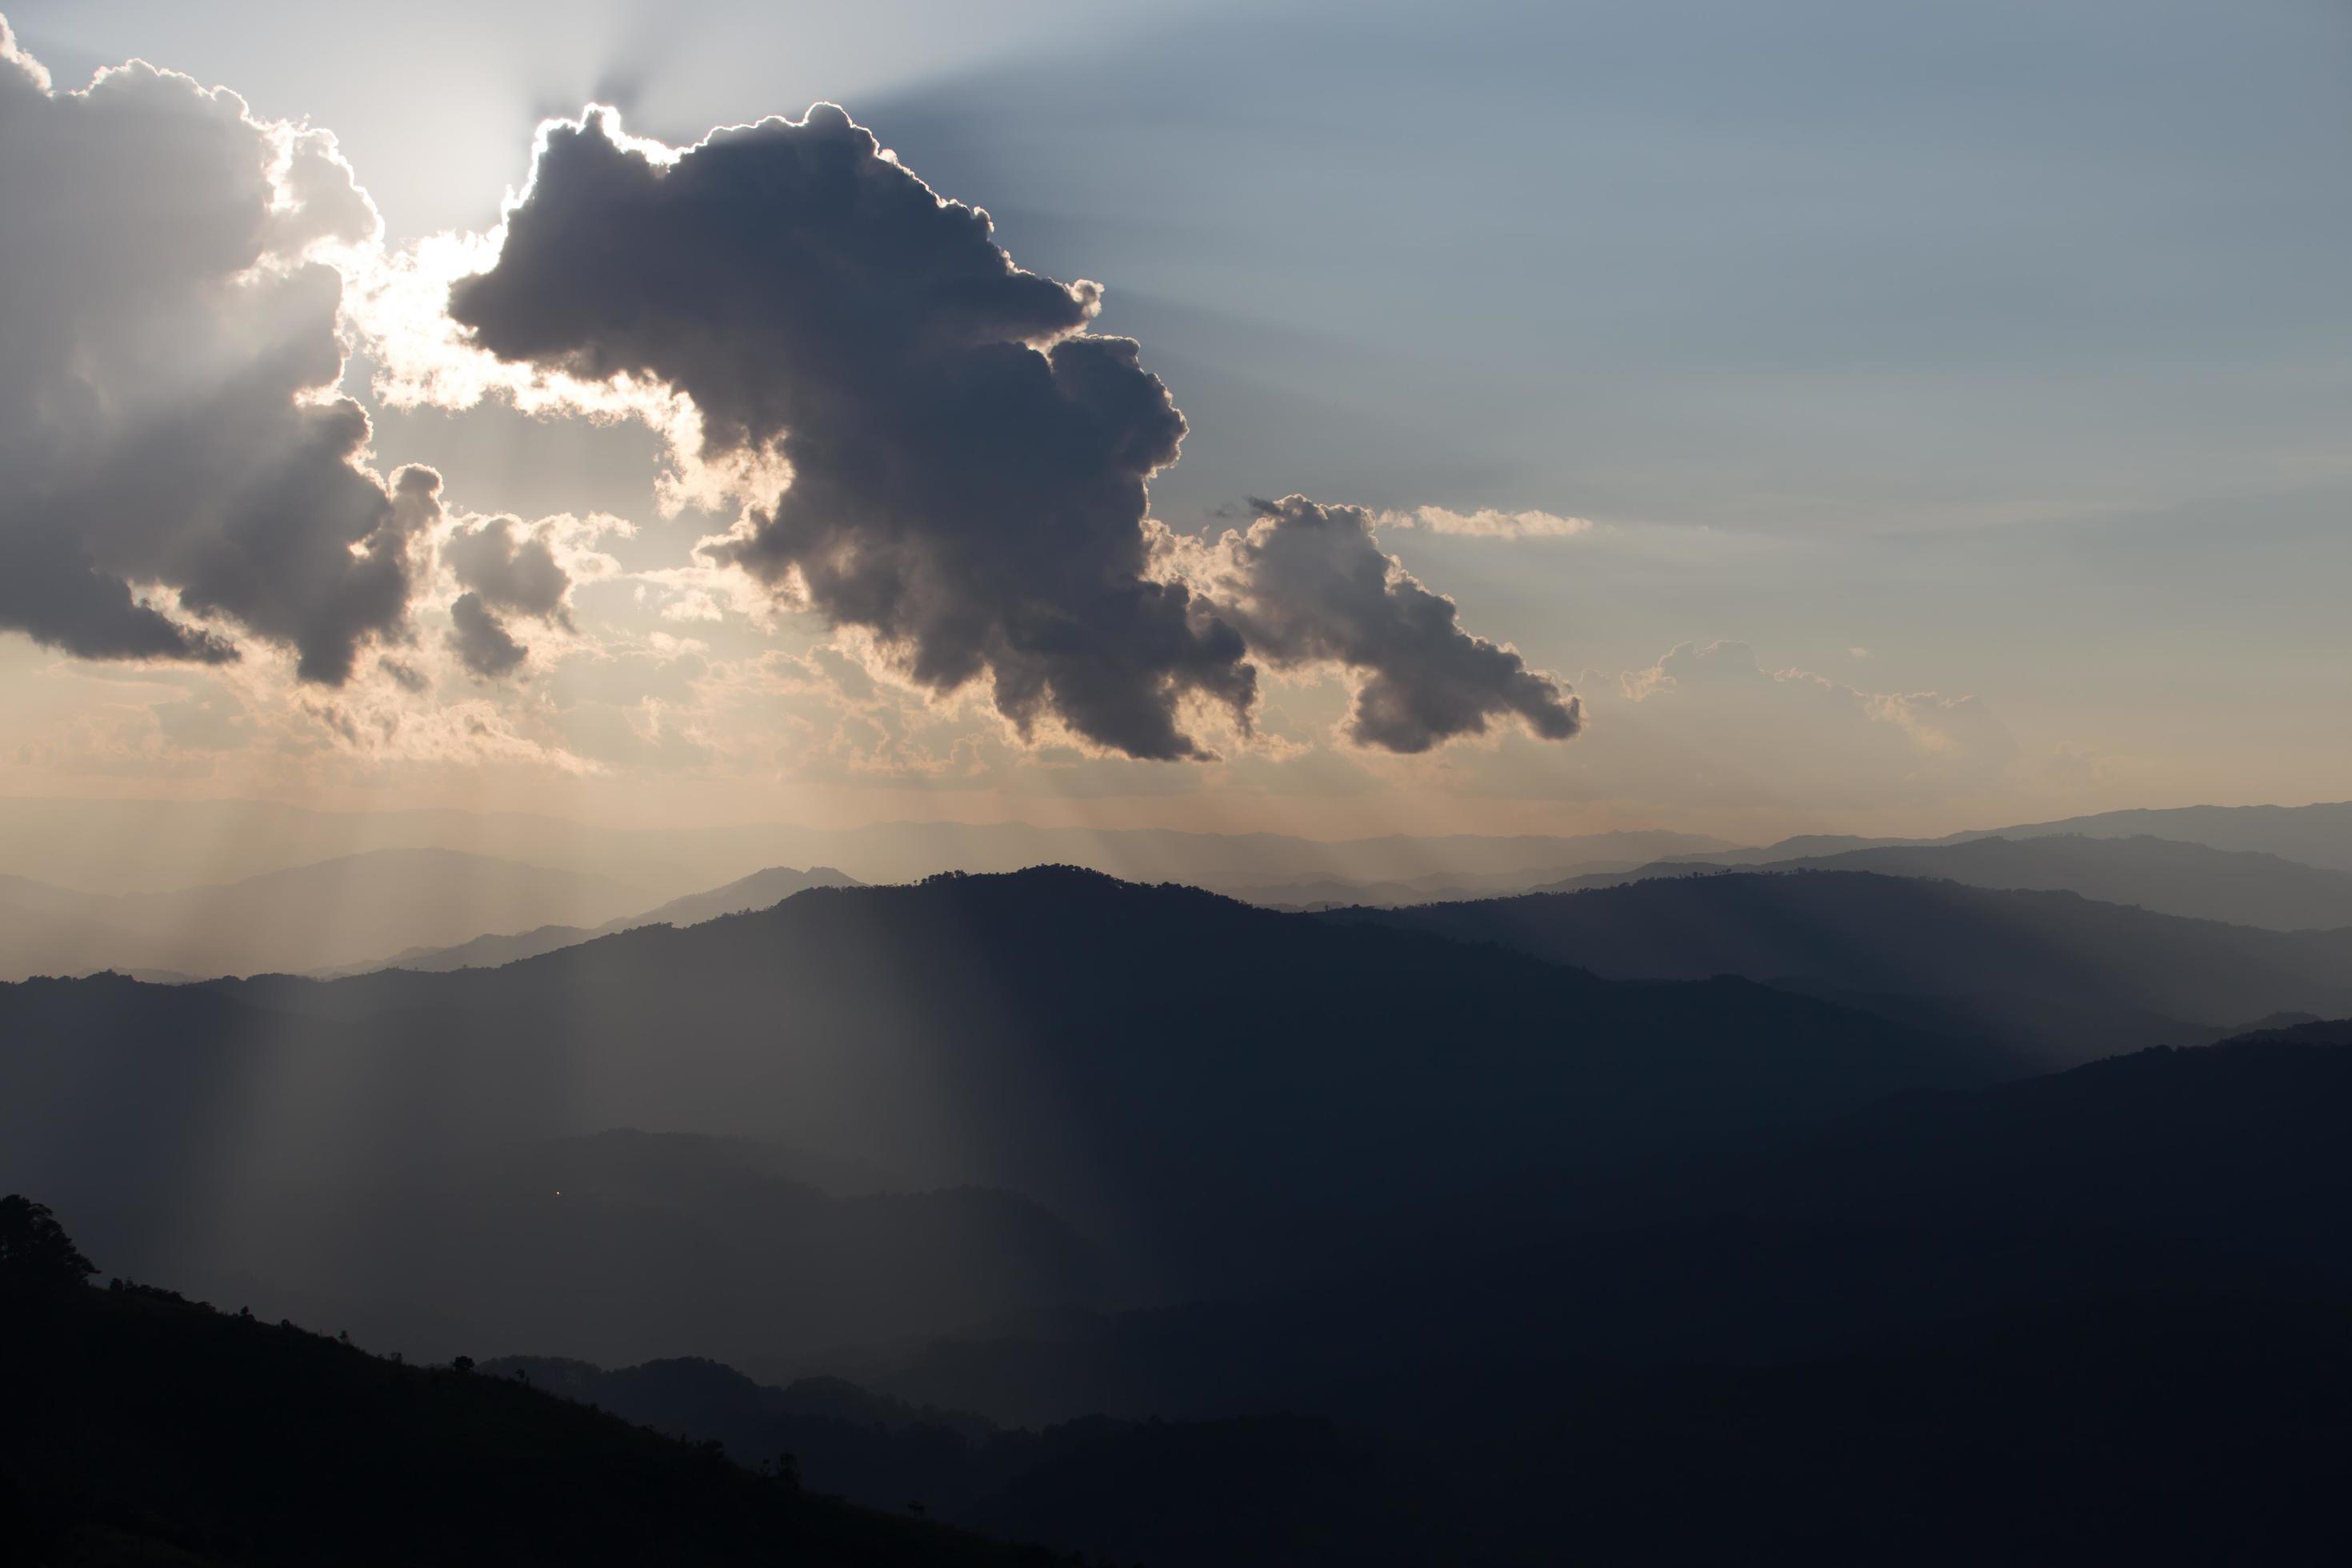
2050	972
2238	886
1209	1092
139	1428
757	891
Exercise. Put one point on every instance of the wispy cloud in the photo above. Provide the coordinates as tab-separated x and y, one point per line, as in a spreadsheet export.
1488	523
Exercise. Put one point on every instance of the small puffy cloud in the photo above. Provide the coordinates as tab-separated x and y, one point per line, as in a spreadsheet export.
510	568
1308	583
501	567
1488	523
482	641
507	568
173	471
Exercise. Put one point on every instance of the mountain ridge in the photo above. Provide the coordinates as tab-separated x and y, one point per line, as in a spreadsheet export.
758	890
2237	886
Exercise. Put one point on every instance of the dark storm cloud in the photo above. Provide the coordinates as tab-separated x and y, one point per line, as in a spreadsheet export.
159	330
968	473
968	466
967	476
1309	583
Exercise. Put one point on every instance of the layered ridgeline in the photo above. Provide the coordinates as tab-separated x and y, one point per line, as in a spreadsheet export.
146	846
2240	887
1204	1094
1294	1240
758	890
2057	977
344	910
417	909
2318	835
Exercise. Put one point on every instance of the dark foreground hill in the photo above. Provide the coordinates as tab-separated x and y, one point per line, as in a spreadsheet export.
139	1428
2059	976
1211	1094
2185	1427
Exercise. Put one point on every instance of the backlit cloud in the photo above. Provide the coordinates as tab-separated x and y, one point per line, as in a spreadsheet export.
941	455
173	473
1309	584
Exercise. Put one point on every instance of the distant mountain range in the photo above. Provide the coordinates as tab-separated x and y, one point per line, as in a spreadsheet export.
2241	887
423	891
1054	1034
2055	975
2315	834
1488	1232
757	891
1333	892
1007	1094
128	846
317	916
2318	835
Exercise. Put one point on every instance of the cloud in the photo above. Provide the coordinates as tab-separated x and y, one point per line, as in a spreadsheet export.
967	465
505	566
938	454
481	640
172	470
510	567
1488	523
1308	583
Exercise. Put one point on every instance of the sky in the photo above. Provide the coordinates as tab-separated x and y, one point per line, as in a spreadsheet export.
1824	416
